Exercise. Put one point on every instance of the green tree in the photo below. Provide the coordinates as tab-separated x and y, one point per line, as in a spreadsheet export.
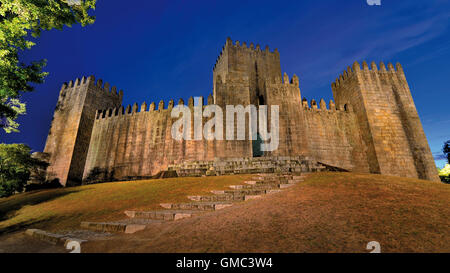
16	164
20	22
446	150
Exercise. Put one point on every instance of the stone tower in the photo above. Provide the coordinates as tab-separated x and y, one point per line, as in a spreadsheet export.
388	120
70	133
240	73
246	75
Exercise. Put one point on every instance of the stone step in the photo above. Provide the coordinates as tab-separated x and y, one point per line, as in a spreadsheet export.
284	186
270	178
259	178
298	176
262	186
202	206
53	238
216	198
165	215
267	166
242	192
251	197
268	182
267	176
260	182
113	227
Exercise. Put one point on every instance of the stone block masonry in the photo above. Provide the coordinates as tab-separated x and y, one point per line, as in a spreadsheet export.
71	129
373	125
388	120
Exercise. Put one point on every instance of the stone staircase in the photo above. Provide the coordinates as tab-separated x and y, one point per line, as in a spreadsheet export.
227	166
260	185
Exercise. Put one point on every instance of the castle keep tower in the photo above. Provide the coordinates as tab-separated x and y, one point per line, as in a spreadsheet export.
246	75
388	120
70	133
240	73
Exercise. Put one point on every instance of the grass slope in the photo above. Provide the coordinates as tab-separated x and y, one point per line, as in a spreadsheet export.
65	209
330	212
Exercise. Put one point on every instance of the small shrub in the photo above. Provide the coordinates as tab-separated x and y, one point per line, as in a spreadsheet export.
16	164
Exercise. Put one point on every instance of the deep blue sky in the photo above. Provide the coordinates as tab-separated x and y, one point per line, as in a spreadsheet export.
166	50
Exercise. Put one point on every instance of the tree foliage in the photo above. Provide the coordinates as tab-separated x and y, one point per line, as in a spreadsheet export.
446	150
20	21
445	173
16	164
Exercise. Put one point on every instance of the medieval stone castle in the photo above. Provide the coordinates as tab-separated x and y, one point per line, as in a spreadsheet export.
372	127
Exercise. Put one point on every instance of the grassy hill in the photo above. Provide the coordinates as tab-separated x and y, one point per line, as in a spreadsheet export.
329	212
66	208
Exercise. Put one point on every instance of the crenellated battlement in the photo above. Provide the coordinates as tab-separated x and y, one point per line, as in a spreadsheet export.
90	81
251	48
323	107
285	80
144	107
356	69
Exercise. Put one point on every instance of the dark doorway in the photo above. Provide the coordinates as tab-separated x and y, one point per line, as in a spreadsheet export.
256	145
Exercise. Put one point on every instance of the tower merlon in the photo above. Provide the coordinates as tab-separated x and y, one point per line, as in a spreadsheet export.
365	66
161	105
135	108
237	45
143	107
323	104
286	78
295	80
305	103
332	106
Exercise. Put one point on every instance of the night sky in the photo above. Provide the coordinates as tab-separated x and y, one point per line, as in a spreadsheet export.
166	50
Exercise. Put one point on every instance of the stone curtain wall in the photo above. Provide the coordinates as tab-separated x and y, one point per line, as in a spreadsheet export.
334	137
135	143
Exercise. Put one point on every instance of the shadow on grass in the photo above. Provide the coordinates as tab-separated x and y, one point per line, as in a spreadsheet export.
26	224
15	203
